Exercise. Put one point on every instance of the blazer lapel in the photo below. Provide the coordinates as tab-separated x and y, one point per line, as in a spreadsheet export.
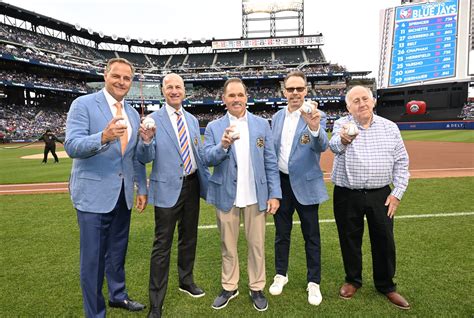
299	129
103	106
168	127
278	128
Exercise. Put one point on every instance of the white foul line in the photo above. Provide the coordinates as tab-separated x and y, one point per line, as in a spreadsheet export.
413	216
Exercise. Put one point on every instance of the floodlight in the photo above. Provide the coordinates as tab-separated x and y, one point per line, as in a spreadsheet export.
176	41
140	40
77	26
128	38
101	34
152	41
114	37
164	41
90	31
203	40
189	40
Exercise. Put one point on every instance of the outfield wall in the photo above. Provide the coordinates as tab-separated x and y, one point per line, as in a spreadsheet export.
436	125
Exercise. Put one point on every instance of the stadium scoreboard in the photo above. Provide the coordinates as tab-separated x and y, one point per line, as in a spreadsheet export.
250	43
424	42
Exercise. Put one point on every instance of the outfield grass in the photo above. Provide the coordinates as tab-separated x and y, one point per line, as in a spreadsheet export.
40	253
463	135
33	171
40	256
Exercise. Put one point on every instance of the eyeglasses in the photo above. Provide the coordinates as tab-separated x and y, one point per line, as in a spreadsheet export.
292	89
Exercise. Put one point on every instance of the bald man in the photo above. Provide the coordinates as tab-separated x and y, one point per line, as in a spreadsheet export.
177	181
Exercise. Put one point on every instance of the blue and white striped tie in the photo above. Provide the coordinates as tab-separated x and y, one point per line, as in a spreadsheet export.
184	144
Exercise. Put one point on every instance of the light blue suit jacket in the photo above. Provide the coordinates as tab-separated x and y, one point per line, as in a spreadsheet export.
222	184
306	177
98	170
166	175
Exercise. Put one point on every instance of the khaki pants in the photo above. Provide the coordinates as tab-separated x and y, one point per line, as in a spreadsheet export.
254	225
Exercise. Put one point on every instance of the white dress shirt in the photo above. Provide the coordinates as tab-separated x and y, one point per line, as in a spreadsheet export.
174	121
111	102
246	189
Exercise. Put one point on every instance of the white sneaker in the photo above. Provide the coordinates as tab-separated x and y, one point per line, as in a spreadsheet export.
314	294
278	282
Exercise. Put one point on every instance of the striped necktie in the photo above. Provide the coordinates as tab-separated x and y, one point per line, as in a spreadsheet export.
183	143
124	138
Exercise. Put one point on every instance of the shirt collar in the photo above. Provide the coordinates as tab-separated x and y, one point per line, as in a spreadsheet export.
294	114
233	118
110	99
351	118
171	110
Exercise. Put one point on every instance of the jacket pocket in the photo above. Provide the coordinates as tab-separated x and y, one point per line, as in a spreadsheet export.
313	175
216	179
91	175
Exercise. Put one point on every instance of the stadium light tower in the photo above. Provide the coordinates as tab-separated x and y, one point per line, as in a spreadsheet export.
255	11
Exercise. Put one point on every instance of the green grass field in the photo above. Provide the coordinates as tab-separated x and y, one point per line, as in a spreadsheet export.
40	256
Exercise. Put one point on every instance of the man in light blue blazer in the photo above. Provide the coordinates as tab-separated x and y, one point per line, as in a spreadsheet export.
245	182
299	133
101	137
177	181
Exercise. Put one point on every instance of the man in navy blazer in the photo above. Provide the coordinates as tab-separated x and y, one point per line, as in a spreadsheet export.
177	181
245	181
299	133
101	137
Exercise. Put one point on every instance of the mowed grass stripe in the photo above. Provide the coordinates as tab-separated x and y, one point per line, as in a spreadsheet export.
414	216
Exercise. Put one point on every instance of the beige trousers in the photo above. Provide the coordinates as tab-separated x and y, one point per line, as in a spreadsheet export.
254	225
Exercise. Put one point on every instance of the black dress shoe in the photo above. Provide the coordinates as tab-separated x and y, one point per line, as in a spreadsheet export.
192	290
128	304
154	313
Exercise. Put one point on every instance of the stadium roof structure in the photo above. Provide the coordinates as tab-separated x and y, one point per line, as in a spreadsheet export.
69	30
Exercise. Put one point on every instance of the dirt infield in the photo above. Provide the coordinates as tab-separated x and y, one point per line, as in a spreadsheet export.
428	159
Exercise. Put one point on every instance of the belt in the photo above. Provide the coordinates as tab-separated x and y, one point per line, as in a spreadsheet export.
284	175
190	176
363	190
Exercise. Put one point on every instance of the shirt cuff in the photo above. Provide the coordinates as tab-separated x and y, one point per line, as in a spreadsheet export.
314	133
398	193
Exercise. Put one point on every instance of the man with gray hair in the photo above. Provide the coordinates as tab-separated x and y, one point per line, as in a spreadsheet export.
369	157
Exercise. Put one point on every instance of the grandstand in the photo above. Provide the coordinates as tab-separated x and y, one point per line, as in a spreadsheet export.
46	63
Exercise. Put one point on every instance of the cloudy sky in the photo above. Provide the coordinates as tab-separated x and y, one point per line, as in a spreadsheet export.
350	28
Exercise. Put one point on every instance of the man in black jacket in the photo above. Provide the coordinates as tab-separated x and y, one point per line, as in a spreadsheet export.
49	145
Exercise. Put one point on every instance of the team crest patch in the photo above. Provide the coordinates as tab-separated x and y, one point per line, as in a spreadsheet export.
260	142
304	139
195	141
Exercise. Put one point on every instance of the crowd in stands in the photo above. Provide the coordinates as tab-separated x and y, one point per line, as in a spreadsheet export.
41	41
467	112
19	122
50	82
28	123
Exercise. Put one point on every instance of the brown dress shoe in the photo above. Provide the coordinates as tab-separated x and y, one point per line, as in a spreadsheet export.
397	300
347	291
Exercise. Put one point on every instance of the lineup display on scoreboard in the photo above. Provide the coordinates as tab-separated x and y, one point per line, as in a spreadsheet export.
424	43
267	42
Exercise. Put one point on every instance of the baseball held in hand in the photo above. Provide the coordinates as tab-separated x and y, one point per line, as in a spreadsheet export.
121	122
148	122
235	134
307	108
352	129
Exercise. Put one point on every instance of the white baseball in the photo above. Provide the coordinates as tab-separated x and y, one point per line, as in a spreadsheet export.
122	122
235	134
352	129
148	122
307	108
